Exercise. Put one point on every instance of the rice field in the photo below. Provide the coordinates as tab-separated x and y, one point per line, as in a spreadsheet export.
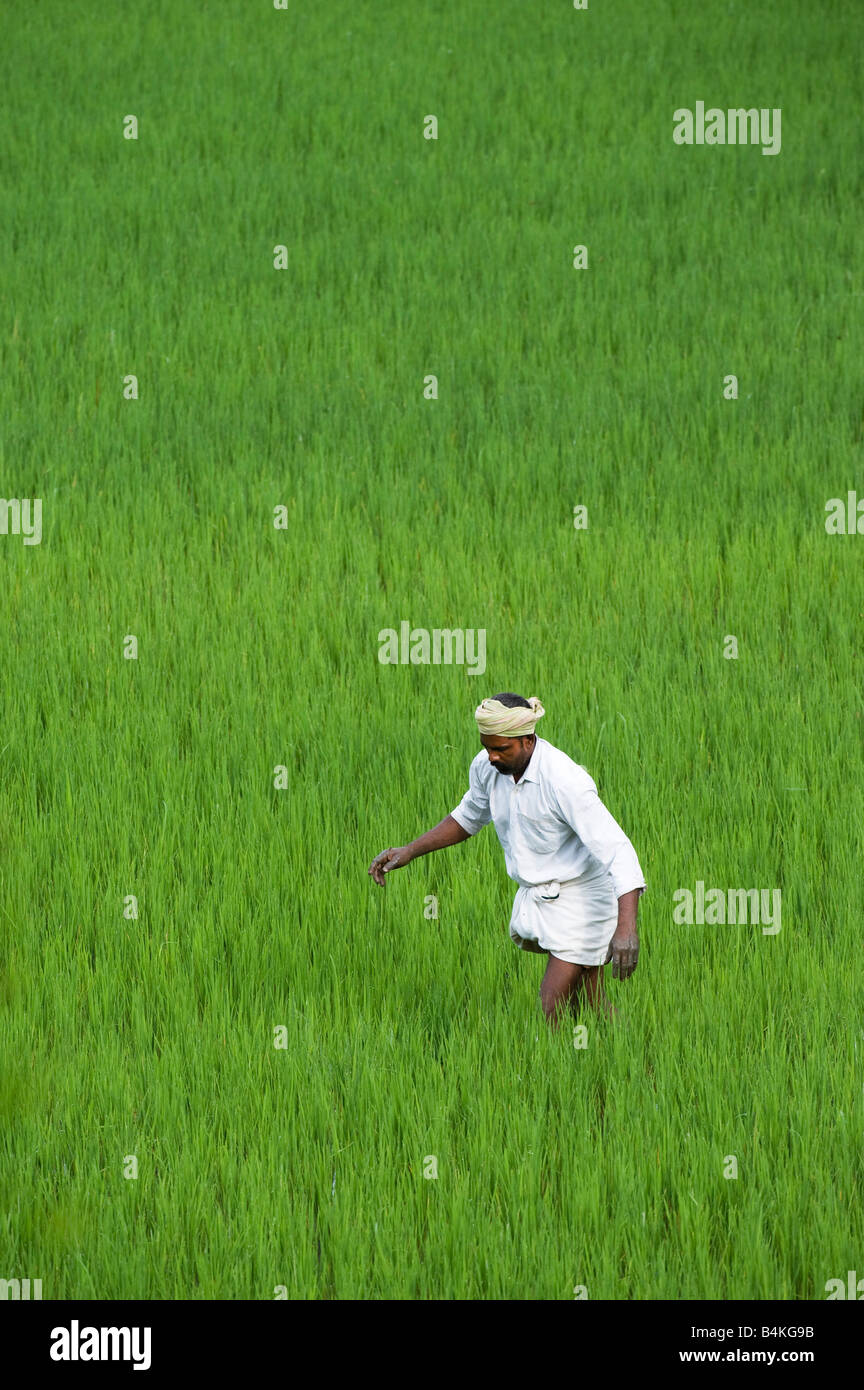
233	1067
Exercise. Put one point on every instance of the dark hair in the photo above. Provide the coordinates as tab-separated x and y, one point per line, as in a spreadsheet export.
511	701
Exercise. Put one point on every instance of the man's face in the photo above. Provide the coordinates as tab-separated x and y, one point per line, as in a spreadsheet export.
508	755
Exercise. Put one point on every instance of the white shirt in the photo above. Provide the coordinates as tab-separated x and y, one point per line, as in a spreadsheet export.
551	823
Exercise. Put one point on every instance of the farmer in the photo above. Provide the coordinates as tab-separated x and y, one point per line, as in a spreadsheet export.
578	875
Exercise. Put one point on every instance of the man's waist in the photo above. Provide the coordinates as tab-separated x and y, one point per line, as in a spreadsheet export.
591	875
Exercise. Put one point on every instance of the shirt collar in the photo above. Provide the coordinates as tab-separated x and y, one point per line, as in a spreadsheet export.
532	771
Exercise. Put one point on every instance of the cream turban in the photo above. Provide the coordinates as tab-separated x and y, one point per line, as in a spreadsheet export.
502	722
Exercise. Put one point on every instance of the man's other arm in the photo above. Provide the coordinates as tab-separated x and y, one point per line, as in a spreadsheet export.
446	832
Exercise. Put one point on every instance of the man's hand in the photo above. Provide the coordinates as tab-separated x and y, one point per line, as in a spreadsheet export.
389	859
624	946
623	952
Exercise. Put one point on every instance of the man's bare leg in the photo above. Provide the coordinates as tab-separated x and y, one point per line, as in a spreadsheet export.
590	987
557	987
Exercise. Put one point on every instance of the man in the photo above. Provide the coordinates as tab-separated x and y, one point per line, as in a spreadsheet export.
578	875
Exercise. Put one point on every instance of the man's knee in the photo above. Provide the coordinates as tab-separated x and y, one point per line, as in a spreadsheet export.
559	982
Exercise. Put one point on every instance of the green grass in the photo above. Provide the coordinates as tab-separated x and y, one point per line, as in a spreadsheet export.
408	1037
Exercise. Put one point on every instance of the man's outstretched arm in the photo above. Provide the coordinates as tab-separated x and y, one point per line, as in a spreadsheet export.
446	832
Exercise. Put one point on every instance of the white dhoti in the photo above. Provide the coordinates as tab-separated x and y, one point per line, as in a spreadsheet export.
574	920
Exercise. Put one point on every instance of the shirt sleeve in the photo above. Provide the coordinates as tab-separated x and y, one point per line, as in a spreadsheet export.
473	811
585	813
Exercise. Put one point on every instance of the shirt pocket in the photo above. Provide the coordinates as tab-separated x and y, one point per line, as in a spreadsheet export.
541	833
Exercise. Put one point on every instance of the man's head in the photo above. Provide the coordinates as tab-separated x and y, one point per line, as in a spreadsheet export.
509	738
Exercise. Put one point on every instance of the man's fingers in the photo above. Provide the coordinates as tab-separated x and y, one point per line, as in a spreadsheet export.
375	868
382	864
626	964
624	961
